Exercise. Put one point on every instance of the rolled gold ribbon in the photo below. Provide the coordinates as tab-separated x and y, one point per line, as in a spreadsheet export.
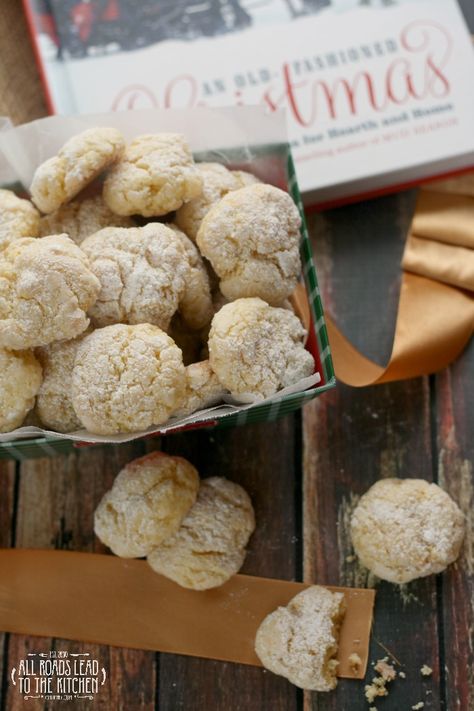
435	319
122	602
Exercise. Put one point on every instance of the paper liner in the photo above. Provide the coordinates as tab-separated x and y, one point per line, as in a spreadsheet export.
122	602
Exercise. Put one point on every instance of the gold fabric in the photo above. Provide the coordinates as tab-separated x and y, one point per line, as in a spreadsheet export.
435	319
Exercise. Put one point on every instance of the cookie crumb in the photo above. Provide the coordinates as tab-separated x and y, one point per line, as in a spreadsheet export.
350	558
402	675
378	685
373	708
355	662
419	705
386	671
426	670
375	689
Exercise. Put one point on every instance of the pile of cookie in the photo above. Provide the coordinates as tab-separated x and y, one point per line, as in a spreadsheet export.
138	285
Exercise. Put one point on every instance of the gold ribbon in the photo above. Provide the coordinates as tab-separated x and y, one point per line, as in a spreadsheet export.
435	318
122	602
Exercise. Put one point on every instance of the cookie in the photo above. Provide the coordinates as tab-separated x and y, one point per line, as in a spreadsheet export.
403	529
20	379
46	288
256	349
77	163
126	379
300	641
217	181
53	404
18	218
203	389
244	178
251	237
155	176
195	305
209	546
81	218
147	502
143	272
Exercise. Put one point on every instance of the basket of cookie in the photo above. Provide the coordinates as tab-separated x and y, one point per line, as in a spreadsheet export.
155	275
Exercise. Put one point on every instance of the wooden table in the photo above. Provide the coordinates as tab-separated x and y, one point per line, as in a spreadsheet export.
304	473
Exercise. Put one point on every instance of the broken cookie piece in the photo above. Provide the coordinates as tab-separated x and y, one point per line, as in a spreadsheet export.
300	641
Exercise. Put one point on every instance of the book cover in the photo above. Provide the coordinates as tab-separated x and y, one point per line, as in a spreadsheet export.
377	92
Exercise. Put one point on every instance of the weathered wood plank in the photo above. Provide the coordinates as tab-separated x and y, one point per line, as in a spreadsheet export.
57	498
455	427
353	437
261	458
7	510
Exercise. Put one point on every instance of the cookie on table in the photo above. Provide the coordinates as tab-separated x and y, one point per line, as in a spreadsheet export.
195	305
251	237
256	349
209	546
146	505
81	218
46	289
20	380
18	218
53	403
203	389
300	641
403	529
82	158
143	273
156	175
127	378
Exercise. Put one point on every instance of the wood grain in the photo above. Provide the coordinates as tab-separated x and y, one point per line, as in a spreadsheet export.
354	437
7	512
454	392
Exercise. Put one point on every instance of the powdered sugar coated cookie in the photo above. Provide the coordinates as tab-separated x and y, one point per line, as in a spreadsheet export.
256	349
203	389
209	546
46	288
81	218
143	272
251	237
404	529
127	378
77	163
195	305
18	218
147	502
155	176
300	641
20	379
53	404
